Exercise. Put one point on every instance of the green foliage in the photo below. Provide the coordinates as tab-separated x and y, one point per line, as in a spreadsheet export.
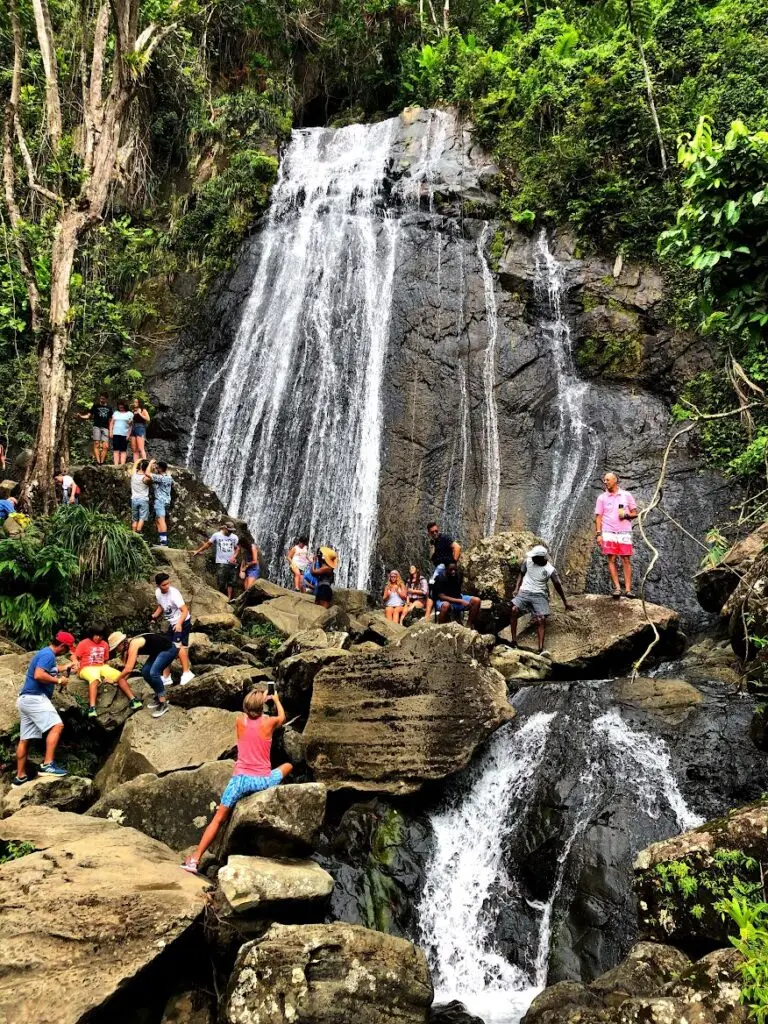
105	548
751	919
12	849
718	546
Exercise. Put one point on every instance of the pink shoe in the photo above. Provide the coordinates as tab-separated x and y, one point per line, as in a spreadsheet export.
190	865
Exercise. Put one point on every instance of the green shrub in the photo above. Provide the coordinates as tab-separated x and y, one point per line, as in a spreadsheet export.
751	919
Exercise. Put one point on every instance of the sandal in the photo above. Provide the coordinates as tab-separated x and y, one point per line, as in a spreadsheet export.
616	595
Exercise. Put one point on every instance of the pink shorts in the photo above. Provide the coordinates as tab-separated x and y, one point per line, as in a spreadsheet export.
617	543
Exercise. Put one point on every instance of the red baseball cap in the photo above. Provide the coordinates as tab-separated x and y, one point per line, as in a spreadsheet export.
62	637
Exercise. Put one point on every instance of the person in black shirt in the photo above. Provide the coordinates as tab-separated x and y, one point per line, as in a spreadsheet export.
100	413
451	601
444	550
160	651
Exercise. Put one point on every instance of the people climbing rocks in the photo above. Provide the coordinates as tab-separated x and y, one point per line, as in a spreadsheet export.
120	425
531	595
159	650
172	605
162	481
323	570
416	590
299	559
451	600
140	415
38	716
70	491
444	550
89	660
250	566
614	511
394	597
100	415
226	547
253	770
139	496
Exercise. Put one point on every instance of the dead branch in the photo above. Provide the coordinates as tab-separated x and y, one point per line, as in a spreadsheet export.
48	54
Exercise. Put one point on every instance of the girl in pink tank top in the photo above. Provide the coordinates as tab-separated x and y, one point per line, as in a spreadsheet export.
253	770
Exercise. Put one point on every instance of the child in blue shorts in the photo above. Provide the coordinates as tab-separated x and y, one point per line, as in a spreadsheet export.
253	769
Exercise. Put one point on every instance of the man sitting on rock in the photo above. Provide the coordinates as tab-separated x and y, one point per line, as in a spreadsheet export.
38	715
532	593
444	550
451	601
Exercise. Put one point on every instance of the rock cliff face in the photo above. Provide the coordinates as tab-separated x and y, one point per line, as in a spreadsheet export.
471	394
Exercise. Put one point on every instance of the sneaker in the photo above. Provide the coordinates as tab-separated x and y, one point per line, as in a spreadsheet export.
190	865
630	595
92	712
187	677
51	768
136	704
161	709
19	780
544	653
153	704
514	645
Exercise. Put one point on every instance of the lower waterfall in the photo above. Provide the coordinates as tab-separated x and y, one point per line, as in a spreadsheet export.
470	877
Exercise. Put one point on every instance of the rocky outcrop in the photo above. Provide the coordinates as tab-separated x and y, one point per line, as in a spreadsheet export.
517	665
655	983
268	887
291	613
296	674
279	822
67	793
13	668
747	611
715	584
112	706
180	739
491	565
204	651
192	1007
387	722
173	808
671	699
222	687
602	636
310	640
197	585
100	904
679	880
328	974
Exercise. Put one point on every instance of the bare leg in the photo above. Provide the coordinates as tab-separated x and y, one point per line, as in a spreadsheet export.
627	563
116	458
104	452
514	615
139	526
389	614
221	815
184	658
135	448
123	686
474	608
97	452
162	526
22	748
51	742
445	611
428	609
541	624
613	571
93	689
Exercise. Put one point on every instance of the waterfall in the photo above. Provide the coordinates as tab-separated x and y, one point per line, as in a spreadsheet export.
295	447
467	878
575	448
491	418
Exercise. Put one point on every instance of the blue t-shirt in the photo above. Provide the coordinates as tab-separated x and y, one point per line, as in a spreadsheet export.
163	484
6	507
45	660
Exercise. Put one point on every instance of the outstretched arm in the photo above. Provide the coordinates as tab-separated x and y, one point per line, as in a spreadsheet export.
559	588
202	548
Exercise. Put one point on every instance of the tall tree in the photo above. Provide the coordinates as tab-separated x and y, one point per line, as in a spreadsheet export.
115	51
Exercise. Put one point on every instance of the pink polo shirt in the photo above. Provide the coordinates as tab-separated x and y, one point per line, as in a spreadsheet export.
607	506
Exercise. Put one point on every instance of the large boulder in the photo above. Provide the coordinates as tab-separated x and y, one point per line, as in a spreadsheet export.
204	651
173	808
679	880
310	640
188	574
222	687
672	700
99	905
328	974
715	584
491	565
180	739
388	722
519	666
65	793
291	614
13	668
112	706
278	822
747	611
296	674
655	984
601	635
266	886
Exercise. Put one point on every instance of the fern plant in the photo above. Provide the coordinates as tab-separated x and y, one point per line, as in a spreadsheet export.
104	548
751	918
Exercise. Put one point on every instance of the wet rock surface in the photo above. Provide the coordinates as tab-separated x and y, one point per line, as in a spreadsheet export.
279	822
266	886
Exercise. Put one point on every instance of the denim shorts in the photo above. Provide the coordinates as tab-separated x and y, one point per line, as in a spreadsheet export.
139	510
442	604
531	604
243	785
160	507
138	430
180	636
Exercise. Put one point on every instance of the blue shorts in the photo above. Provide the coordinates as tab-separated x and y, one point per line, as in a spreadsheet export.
243	785
181	636
253	572
139	510
160	507
138	429
442	604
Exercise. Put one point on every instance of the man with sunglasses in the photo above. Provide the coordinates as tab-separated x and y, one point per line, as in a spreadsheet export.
614	511
444	550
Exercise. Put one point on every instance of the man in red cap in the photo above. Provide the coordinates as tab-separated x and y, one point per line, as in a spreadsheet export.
38	715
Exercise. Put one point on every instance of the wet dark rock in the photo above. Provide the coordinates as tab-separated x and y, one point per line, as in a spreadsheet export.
715	584
452	1013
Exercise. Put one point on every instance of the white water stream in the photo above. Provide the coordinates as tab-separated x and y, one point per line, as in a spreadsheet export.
491	416
575	448
467	876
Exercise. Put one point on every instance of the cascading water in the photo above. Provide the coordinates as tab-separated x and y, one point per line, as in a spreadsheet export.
491	417
467	879
296	443
575	448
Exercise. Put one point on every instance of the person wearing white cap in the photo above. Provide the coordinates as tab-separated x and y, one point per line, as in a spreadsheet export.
532	593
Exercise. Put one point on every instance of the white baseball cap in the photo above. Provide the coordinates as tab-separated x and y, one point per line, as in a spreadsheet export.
538	552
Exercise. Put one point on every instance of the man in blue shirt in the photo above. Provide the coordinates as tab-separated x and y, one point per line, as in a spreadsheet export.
7	507
38	715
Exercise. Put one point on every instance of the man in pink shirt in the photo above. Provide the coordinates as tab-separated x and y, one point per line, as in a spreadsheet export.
614	511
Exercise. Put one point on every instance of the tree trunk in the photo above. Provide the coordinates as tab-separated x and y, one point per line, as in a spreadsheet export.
652	103
54	380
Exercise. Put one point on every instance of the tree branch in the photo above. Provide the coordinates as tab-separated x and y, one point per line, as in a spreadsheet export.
48	55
